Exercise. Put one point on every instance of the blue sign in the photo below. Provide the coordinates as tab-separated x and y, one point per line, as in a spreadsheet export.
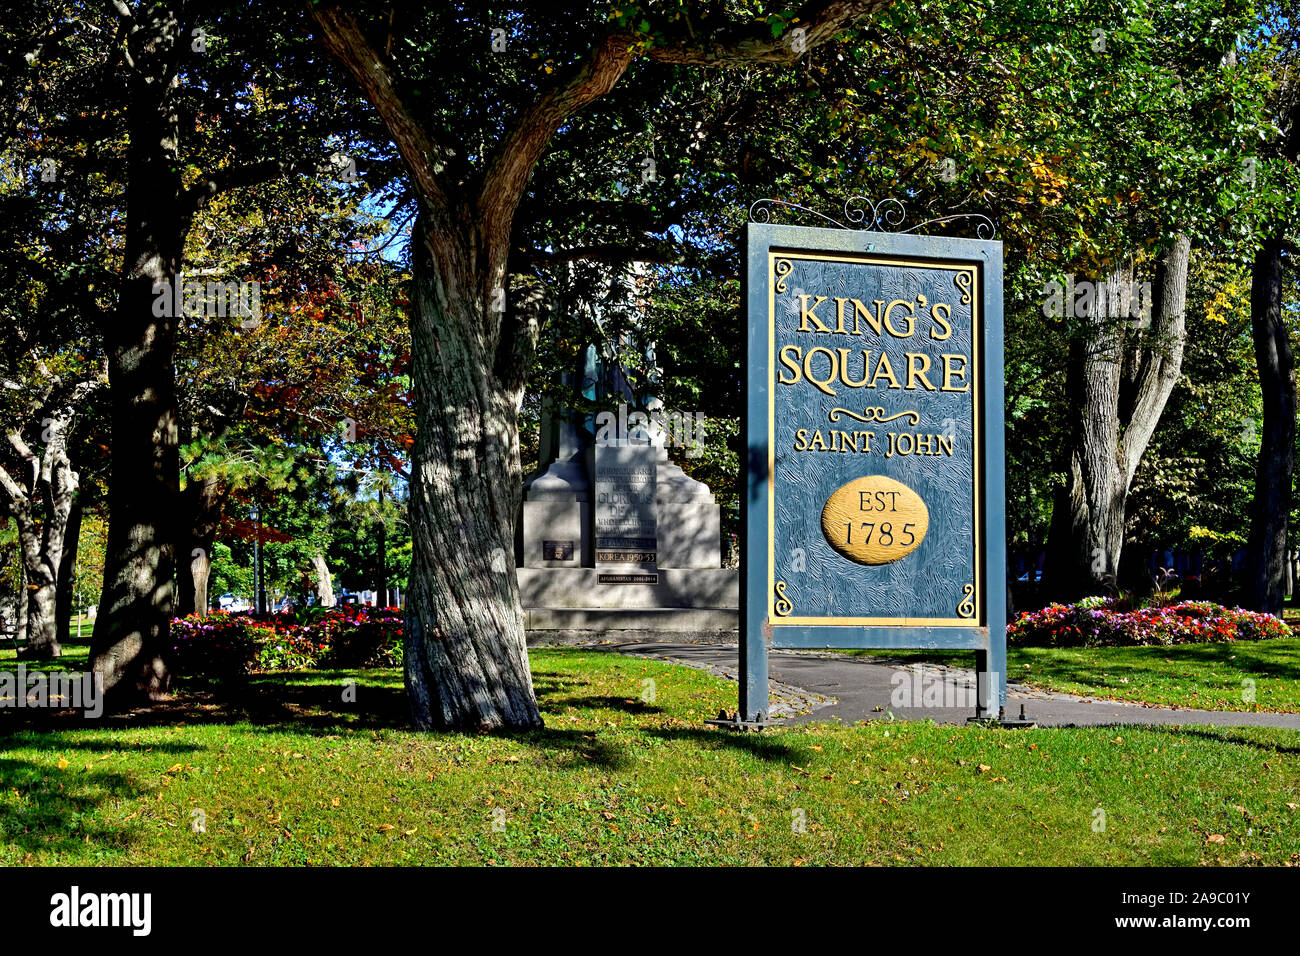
874	499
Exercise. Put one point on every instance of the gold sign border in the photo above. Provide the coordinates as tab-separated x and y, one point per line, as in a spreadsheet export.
977	382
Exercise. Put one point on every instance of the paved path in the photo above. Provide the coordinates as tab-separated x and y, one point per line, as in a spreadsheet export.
813	686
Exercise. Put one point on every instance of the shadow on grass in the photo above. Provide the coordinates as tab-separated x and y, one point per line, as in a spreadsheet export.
1231	735
762	745
628	705
1278	659
308	701
51	811
323	702
583	744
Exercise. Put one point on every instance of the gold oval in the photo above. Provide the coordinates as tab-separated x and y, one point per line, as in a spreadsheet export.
860	514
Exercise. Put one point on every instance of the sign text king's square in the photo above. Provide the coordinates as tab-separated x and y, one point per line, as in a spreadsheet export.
872	439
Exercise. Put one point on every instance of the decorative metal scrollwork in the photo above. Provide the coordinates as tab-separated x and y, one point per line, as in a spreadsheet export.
861	213
885	212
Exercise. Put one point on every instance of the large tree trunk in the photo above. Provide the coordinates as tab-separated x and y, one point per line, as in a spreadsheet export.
466	661
1270	511
131	630
40	576
1120	381
466	657
42	510
381	535
1271	508
65	592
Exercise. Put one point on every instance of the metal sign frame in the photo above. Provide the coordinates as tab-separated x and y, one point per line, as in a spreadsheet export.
759	626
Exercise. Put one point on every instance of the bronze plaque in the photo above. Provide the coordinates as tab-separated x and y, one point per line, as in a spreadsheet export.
557	550
627	557
627	579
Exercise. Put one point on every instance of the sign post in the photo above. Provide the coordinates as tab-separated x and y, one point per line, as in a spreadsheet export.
874	498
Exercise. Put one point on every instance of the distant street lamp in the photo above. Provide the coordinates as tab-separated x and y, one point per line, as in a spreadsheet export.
259	576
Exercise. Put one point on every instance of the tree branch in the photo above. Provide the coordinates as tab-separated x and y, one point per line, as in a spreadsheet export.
17	498
519	150
343	37
1162	368
750	44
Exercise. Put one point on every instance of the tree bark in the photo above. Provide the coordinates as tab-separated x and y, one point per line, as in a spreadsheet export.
381	588
324	585
20	601
1270	510
138	600
466	656
1267	547
200	519
41	508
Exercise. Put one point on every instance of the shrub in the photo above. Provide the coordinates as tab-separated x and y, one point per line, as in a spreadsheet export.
288	649
1093	624
367	637
219	645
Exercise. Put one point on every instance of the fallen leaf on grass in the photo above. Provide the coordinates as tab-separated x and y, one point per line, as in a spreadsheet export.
1216	838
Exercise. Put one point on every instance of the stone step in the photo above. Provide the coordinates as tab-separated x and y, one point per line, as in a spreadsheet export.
673	589
698	619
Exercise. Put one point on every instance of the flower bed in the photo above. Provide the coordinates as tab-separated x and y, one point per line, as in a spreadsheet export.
219	645
370	639
1095	623
230	645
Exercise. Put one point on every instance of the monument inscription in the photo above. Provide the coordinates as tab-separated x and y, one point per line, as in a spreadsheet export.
625	529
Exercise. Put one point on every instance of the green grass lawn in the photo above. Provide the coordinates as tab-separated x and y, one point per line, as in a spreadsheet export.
286	772
1202	676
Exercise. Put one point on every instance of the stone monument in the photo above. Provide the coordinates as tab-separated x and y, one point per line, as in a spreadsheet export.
615	536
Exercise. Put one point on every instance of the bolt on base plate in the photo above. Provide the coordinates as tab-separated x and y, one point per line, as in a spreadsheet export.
1002	720
731	721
